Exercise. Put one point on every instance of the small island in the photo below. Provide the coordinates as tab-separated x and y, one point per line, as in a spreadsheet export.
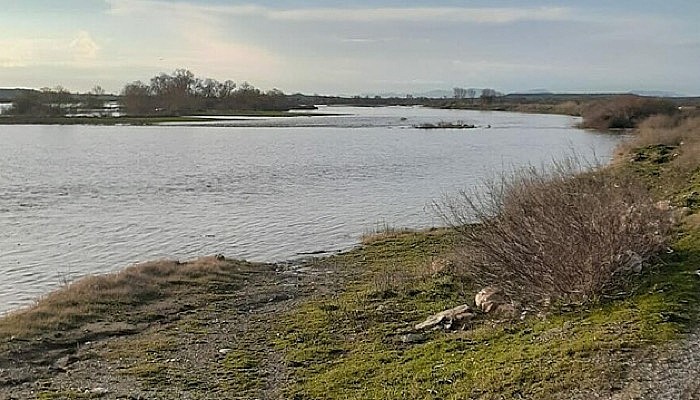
446	125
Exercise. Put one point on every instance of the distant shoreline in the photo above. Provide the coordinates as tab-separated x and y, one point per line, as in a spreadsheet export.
140	121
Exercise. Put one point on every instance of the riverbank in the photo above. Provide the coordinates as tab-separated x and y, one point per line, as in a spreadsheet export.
343	326
338	327
146	120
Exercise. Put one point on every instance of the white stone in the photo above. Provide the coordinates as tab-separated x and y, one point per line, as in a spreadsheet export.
447	318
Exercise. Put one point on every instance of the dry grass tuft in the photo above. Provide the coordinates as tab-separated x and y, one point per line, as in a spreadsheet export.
104	296
680	132
382	231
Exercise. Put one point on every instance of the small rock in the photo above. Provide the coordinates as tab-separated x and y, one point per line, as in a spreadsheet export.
224	351
663	205
439	265
506	309
489	298
66	361
100	391
636	262
448	318
413	338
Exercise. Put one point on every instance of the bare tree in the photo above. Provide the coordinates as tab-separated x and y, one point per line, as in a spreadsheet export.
137	99
459	93
97	91
471	94
488	96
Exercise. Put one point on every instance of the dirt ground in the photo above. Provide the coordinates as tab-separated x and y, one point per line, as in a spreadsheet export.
201	345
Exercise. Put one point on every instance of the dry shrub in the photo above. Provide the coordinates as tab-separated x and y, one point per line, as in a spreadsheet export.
558	235
623	112
568	108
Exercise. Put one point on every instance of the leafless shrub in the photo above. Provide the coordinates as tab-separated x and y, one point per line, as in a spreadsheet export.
556	235
622	112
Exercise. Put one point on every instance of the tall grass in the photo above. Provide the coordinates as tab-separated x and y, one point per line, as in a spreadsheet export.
104	296
557	234
681	131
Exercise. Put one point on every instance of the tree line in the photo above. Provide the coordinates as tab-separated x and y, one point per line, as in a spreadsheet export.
486	96
57	101
182	93
165	94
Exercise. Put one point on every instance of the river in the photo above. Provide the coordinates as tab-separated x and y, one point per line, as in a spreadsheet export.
77	200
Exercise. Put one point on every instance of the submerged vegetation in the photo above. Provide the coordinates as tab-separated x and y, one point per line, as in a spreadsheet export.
446	125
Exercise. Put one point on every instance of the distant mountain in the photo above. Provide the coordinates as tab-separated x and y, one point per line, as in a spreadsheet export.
443	93
535	91
436	94
431	94
656	93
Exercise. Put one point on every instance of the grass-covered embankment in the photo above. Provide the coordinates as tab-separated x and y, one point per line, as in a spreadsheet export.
354	344
343	327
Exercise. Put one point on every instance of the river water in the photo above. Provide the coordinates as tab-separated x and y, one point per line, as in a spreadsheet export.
77	200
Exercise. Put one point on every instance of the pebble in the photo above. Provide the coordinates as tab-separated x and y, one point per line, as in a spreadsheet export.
413	338
100	391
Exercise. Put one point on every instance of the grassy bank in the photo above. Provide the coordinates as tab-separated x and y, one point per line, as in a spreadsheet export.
29	120
342	327
358	344
350	338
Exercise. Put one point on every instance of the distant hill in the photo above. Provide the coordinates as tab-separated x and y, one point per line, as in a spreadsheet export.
431	94
656	93
8	95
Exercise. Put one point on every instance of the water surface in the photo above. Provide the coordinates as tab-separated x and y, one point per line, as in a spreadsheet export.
77	200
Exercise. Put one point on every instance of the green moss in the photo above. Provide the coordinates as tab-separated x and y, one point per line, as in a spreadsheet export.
689	195
64	395
241	372
349	345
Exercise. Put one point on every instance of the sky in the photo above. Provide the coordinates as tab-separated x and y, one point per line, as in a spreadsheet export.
356	47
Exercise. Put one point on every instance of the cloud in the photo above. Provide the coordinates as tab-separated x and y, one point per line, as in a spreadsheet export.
494	15
83	46
15	53
78	50
418	14
209	51
198	39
